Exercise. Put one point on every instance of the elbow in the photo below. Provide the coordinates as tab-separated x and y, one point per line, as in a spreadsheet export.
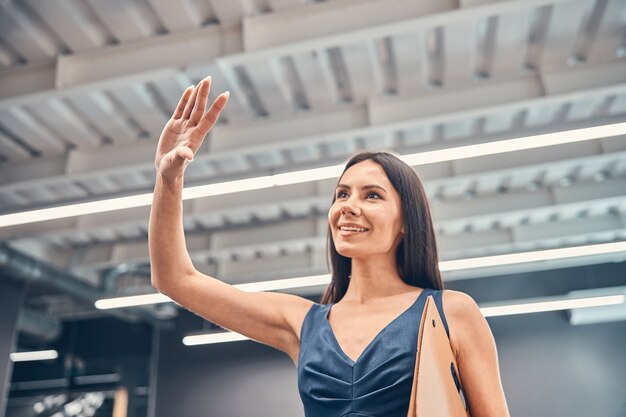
167	282
154	282
161	286
157	277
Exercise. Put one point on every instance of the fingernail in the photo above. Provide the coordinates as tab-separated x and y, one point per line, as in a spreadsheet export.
227	94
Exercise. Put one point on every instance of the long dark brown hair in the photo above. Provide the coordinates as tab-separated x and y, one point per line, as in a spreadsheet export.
416	255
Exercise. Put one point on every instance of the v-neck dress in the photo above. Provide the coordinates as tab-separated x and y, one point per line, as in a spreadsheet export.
378	384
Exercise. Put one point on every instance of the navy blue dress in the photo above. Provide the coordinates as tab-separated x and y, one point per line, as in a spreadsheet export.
378	384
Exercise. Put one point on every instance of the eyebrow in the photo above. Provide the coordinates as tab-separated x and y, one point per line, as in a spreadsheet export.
365	187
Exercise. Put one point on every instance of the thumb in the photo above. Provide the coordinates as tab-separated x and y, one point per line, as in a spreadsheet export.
179	158
185	153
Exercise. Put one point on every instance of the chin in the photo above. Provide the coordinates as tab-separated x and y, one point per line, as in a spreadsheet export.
361	251
345	252
351	253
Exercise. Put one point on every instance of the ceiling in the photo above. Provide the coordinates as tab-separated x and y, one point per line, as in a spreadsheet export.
86	87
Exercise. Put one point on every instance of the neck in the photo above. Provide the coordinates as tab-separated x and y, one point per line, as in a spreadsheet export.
372	278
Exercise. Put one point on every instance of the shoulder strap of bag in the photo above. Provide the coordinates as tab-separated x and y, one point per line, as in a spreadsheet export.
437	295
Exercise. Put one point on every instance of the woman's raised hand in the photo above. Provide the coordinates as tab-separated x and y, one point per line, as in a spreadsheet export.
184	132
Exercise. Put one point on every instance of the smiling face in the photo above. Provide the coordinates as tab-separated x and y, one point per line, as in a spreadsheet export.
366	199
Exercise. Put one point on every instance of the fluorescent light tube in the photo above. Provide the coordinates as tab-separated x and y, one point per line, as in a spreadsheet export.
221	337
36	355
92	207
534	256
301	282
236	186
518	144
537	305
156	298
130	301
307	175
284	284
422	158
553	304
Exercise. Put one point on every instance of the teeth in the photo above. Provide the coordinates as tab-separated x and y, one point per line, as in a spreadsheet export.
353	229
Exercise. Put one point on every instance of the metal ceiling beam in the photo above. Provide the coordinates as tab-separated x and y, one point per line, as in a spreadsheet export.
404	26
27	80
585	77
477	210
602	314
379	117
232	261
491	94
330	18
224	43
524	224
587	158
22	93
183	49
114	64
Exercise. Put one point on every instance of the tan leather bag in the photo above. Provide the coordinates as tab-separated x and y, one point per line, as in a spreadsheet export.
435	392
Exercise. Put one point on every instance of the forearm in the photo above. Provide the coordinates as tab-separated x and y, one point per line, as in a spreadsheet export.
169	259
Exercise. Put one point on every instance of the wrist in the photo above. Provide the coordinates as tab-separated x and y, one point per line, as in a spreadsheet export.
169	182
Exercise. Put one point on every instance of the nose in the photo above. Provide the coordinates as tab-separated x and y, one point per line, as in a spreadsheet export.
348	207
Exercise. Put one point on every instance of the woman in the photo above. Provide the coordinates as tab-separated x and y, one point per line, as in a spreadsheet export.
358	360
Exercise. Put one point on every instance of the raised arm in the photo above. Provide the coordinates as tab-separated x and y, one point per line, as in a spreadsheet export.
270	318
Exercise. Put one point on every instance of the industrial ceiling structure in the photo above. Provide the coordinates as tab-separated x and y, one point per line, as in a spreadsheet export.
86	87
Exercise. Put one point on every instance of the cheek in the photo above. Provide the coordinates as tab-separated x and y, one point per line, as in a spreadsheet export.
332	215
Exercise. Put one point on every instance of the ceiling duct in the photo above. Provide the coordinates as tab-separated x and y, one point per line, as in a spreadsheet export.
41	326
19	266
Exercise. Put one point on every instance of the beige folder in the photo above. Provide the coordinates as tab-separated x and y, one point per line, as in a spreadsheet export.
436	388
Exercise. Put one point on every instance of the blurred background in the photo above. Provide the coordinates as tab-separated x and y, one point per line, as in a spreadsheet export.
86	87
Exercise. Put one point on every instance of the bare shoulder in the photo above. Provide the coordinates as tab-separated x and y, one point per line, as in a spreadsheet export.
457	303
476	354
463	316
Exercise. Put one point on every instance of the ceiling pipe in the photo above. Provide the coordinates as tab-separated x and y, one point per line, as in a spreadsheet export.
19	266
43	327
111	276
